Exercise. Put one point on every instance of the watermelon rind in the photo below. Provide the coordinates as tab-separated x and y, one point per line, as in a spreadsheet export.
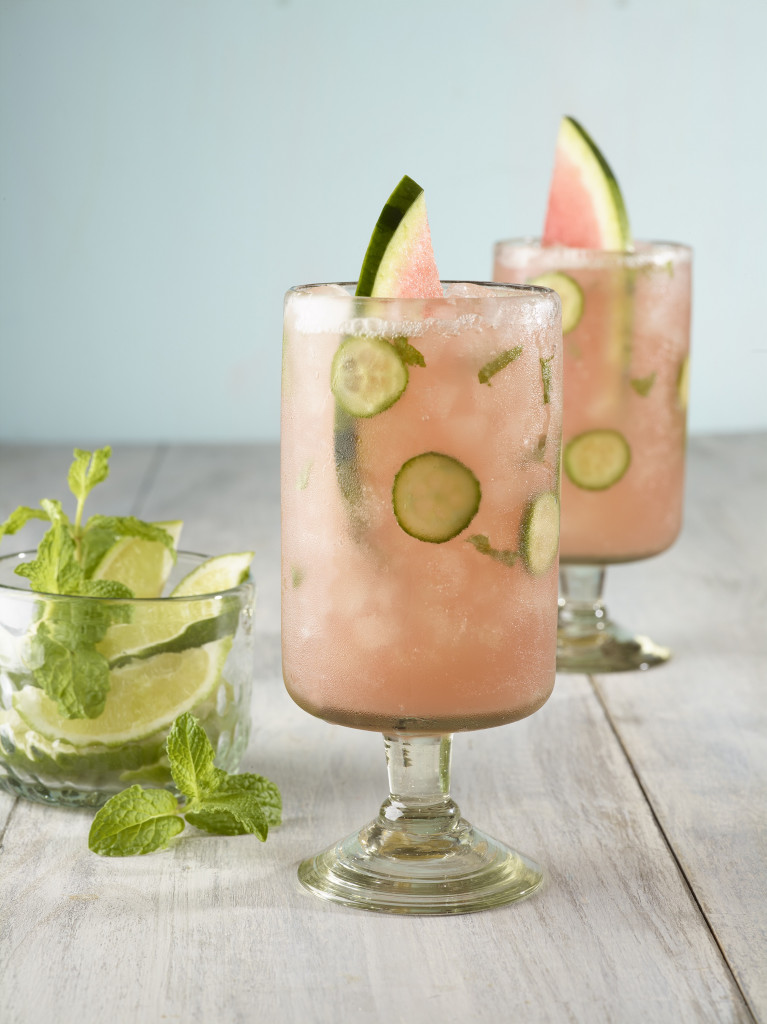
601	184
400	223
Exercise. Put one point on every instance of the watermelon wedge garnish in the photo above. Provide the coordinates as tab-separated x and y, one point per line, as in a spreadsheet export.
586	208
399	262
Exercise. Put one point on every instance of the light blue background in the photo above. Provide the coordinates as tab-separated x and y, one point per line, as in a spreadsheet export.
169	167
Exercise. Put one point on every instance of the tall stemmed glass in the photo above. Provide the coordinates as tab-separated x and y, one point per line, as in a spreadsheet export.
626	325
420	512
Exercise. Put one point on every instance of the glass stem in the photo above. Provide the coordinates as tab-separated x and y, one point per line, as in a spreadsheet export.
582	611
419	800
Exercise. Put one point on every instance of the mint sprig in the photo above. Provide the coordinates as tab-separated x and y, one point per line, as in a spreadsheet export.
139	821
63	659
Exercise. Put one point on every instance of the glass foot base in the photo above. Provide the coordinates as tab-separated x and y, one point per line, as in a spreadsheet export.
611	649
455	871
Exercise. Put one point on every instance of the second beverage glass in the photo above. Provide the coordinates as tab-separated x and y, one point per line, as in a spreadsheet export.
626	326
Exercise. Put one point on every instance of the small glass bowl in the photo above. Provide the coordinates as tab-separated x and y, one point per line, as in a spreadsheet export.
161	657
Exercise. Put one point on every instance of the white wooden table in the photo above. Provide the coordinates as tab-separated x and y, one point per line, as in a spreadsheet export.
644	795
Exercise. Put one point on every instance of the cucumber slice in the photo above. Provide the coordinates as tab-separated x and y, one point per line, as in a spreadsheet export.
435	497
597	459
570	294
539	534
367	376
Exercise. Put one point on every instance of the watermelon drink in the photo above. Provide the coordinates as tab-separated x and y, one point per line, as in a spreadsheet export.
626	326
420	454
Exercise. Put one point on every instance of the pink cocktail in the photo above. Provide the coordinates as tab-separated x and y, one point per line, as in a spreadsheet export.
626	323
419	554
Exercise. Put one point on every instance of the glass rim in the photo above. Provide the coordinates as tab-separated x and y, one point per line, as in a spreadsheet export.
643	248
516	289
243	587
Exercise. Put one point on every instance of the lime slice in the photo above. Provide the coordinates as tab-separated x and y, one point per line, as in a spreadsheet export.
144	697
171	626
142	565
435	497
367	376
570	294
597	459
222	572
539	535
28	751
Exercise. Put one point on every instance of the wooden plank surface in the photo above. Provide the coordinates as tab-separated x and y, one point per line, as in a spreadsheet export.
696	730
218	929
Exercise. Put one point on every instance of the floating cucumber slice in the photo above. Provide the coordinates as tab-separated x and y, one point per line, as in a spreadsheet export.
683	384
435	497
597	459
570	294
367	376
539	533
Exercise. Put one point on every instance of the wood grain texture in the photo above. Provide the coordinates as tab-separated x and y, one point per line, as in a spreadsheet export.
218	929
696	730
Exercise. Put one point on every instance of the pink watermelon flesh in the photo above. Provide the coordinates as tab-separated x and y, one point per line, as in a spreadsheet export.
571	218
414	273
419	278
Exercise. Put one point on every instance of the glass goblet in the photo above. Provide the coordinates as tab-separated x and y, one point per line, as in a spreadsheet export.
626	326
420	519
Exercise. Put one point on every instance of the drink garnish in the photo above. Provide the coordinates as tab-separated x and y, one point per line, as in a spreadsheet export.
139	821
597	459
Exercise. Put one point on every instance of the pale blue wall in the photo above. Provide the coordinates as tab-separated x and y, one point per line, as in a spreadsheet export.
169	167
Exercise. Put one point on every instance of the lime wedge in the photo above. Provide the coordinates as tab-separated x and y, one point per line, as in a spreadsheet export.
222	572
144	697
142	565
27	751
173	626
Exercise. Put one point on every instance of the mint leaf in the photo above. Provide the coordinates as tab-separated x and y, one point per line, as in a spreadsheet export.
20	517
241	804
55	570
191	759
135	821
94	544
498	363
407	353
88	469
129	526
643	385
72	674
482	544
546	378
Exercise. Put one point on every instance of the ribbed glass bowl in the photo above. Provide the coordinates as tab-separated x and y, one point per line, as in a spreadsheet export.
164	656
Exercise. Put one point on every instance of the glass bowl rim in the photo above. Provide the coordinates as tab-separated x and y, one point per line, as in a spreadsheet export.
241	589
